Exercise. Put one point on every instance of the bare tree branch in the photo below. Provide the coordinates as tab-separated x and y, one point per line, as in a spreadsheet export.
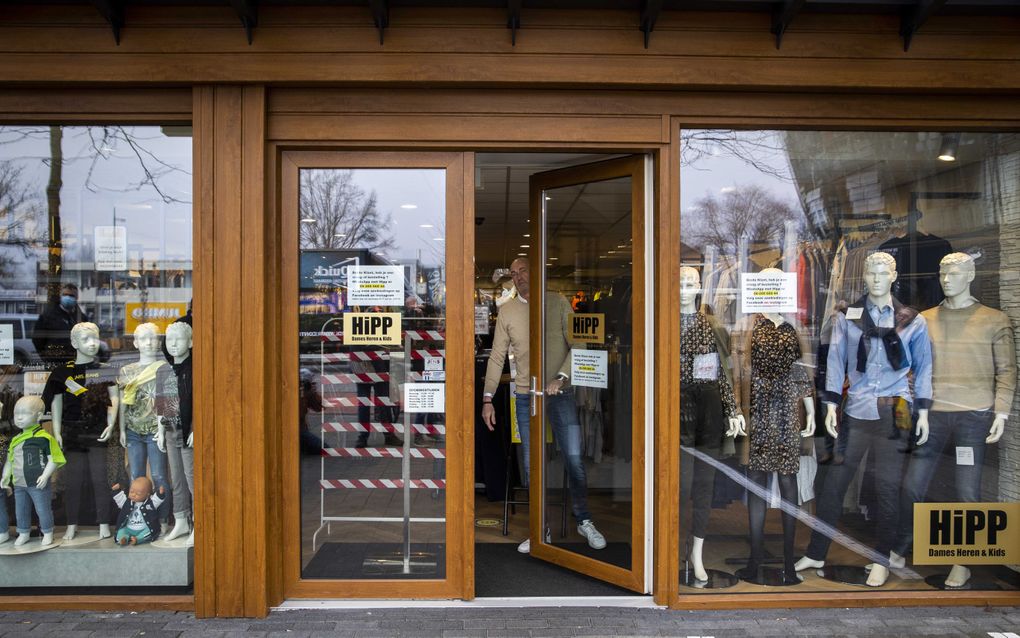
337	213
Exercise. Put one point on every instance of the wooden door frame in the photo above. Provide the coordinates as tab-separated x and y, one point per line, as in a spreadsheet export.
459	567
632	166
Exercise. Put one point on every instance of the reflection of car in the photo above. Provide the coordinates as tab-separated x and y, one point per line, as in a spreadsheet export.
23	326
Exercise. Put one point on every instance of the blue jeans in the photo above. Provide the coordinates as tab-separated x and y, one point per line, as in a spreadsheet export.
887	446
5	522
142	448
962	429
24	498
566	429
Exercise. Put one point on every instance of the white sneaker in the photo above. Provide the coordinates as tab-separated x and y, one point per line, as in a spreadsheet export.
525	547
595	538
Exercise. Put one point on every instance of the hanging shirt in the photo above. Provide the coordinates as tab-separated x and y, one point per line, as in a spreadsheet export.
879	378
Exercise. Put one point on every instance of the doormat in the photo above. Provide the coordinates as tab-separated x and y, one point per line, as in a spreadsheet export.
500	570
347	561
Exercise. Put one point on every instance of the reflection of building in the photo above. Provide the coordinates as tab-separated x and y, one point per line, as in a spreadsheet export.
107	296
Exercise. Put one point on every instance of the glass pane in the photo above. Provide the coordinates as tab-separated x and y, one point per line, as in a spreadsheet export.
95	271
372	373
588	340
856	293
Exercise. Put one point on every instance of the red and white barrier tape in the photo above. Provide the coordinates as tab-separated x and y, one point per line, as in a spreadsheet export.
355	402
342	357
397	428
345	484
422	354
426	335
362	377
384	452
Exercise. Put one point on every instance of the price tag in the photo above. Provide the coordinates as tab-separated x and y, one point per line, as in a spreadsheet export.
965	456
706	366
852	314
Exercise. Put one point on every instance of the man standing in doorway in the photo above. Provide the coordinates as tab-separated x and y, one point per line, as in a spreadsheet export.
512	332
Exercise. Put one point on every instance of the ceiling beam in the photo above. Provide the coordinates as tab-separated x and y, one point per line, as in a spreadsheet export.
113	12
513	19
249	15
381	16
783	14
650	11
915	16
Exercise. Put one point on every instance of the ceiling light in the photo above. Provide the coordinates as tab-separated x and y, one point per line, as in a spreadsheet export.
553	258
528	235
525	245
308	220
438	239
409	206
547	198
425	225
947	150
339	235
522	254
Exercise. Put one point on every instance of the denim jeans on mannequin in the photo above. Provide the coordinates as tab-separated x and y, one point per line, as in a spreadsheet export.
562	413
887	446
24	499
142	448
946	431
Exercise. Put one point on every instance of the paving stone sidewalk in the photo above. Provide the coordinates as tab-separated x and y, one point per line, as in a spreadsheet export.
480	622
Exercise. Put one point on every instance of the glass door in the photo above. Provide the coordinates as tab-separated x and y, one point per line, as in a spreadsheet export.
377	320
587	401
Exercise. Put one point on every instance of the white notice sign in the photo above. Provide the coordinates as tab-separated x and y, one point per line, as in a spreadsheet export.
35	382
768	292
6	344
375	286
433	363
110	247
481	320
589	368
424	397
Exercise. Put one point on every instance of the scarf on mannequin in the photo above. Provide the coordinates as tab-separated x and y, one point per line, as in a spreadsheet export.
890	336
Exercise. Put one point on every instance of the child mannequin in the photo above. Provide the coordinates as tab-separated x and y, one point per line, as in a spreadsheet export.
5	525
174	435
138	422
83	399
33	457
138	521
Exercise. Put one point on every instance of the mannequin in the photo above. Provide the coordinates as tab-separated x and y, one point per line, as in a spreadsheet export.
707	405
22	470
5	524
774	379
878	342
973	382
174	435
83	400
138	422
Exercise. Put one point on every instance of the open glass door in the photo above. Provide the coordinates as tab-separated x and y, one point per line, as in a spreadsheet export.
587	360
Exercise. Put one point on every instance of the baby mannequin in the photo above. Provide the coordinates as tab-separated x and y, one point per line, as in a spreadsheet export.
883	347
174	435
33	458
83	398
707	406
138	422
138	521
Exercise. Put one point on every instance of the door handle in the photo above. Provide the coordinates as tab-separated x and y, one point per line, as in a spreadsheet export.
534	392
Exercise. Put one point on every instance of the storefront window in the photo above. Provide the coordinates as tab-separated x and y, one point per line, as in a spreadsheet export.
848	361
95	342
372	316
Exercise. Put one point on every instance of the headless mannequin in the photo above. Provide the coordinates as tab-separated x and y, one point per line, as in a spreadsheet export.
86	346
878	281
756	506
178	345
690	288
27	412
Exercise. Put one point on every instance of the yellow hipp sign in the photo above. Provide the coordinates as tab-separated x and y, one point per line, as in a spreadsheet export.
372	328
966	533
161	313
588	328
